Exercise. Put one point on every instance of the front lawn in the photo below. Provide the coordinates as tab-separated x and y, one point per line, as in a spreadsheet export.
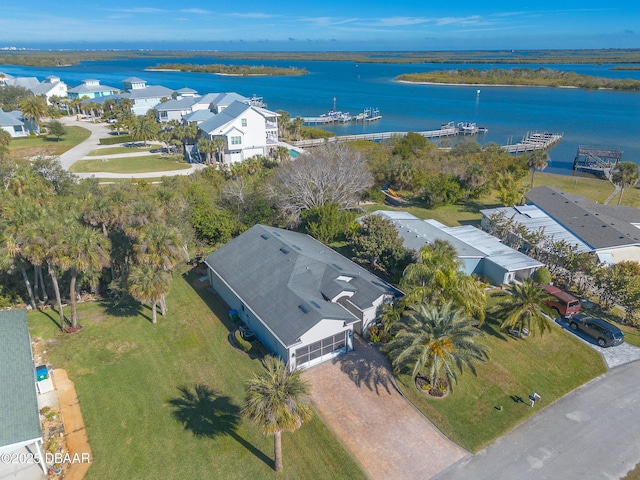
32	146
101	152
143	164
482	408
134	380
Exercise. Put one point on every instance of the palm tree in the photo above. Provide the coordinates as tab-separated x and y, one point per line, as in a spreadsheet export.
437	341
220	145
33	108
145	128
624	174
524	308
147	283
277	401
206	147
85	249
537	161
436	277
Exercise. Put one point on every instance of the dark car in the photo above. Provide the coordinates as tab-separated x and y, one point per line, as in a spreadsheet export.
603	332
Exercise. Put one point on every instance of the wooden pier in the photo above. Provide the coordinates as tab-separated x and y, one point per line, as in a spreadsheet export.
598	160
535	141
374	137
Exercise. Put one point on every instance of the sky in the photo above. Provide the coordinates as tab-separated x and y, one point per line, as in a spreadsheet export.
320	25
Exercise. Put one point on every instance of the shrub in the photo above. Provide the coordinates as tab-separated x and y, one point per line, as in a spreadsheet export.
241	342
116	139
542	275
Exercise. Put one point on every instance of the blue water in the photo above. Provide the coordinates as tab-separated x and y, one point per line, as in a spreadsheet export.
585	117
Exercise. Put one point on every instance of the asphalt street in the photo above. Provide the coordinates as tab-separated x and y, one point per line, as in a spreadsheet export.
590	434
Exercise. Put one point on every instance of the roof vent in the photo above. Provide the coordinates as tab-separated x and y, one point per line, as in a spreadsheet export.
265	236
296	247
304	307
276	234
284	250
314	303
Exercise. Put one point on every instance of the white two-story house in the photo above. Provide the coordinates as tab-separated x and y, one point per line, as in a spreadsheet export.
247	130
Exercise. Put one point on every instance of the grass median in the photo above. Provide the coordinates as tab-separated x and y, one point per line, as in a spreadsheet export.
134	379
136	164
32	146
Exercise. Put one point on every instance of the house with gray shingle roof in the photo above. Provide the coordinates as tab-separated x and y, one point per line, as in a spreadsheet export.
144	97
303	300
478	252
19	416
611	232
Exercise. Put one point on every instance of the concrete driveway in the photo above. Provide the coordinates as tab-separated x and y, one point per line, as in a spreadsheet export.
612	356
590	434
383	432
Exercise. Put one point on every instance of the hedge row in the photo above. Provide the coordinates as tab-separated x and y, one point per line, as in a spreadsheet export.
116	139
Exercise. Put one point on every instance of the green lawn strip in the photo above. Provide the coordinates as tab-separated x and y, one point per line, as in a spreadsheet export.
28	146
551	365
143	164
126	372
118	150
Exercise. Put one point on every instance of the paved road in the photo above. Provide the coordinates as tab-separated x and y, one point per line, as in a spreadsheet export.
383	432
590	434
98	131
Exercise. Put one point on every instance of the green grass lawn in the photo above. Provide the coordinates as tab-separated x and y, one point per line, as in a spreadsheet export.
20	148
148	163
551	365
129	373
118	150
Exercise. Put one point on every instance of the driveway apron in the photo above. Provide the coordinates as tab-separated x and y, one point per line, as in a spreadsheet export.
382	431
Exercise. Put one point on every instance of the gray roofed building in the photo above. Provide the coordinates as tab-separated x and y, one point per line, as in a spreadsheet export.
198	116
224	117
91	88
599	226
478	252
11	123
611	232
300	297
19	416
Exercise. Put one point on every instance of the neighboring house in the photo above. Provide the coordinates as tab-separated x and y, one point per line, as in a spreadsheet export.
302	299
24	82
186	92
247	131
12	123
144	97
51	87
175	109
90	89
478	252
19	416
611	232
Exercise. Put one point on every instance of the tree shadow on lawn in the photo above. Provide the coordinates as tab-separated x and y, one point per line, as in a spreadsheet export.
492	327
125	307
208	415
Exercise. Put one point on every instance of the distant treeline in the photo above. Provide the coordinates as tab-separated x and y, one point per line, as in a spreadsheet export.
541	77
626	67
241	70
525	57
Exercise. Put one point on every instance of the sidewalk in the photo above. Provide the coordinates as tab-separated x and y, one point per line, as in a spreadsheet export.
75	433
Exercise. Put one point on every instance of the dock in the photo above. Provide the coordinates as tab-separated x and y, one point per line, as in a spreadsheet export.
374	137
598	160
534	141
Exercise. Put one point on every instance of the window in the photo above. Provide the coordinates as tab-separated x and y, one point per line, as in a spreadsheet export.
236	140
243	122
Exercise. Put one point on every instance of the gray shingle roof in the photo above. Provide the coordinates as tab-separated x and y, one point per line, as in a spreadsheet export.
152	91
599	226
181	104
19	418
275	271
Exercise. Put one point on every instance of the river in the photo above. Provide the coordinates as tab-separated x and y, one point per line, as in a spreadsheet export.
584	117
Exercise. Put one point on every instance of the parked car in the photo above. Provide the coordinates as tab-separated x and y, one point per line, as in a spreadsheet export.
606	334
563	303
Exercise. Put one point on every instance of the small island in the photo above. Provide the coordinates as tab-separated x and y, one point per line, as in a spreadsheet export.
524	77
235	70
